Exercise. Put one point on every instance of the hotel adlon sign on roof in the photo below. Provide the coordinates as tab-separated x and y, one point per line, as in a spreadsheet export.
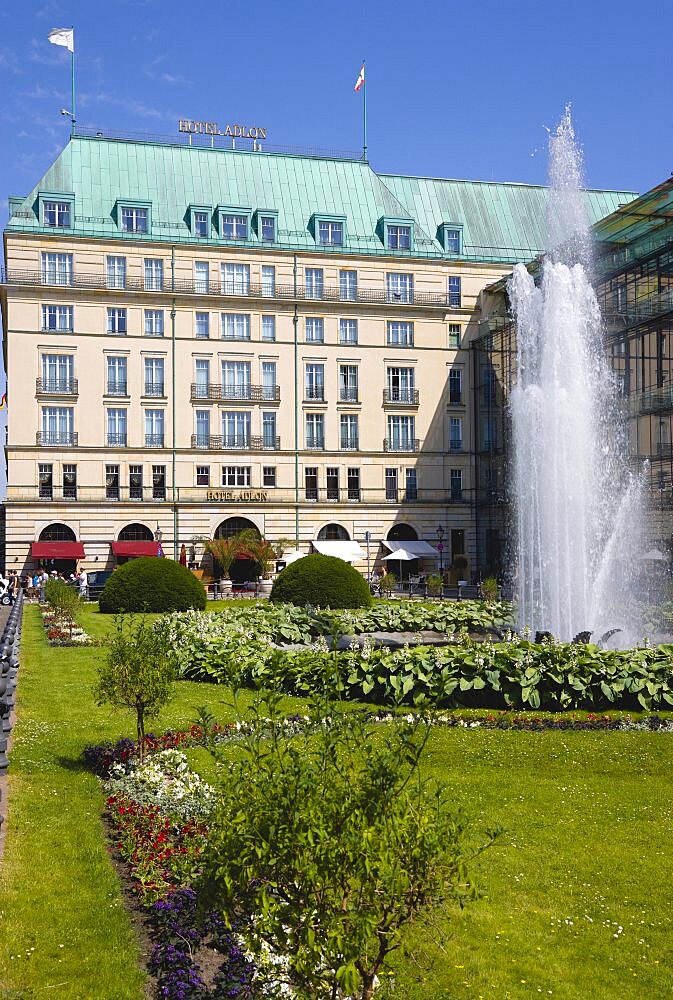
213	128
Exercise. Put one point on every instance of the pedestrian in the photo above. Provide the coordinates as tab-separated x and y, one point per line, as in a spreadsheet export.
83	585
15	585
43	586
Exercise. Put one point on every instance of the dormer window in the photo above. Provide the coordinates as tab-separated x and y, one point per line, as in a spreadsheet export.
267	228
200	224
451	237
399	237
330	234
234	227
134	220
199	219
57	213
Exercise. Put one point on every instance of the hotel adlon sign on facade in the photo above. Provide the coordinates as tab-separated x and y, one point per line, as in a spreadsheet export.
213	128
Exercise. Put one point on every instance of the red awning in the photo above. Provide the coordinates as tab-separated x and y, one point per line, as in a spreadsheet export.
57	550
135	548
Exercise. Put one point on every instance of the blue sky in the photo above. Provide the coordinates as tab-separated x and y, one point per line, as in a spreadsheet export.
454	90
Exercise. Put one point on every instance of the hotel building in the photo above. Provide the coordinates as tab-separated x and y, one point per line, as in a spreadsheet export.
199	339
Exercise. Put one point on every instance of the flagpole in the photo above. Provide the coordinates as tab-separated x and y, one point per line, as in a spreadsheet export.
364	114
72	116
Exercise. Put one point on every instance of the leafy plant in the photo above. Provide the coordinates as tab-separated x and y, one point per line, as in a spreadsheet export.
434	584
388	583
490	589
225	551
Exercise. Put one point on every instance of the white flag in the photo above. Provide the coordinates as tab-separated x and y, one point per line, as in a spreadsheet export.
63	36
361	79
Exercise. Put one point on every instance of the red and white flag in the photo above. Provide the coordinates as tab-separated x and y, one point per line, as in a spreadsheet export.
360	82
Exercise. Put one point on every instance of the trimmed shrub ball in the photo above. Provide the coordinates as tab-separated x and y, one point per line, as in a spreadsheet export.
324	582
151	584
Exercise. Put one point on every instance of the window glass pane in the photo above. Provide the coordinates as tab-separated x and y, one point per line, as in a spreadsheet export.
202	322
348	285
330	233
201	277
268	327
400	334
235	326
268	280
235	279
348	331
154	274
235	227
154	322
454	291
116	272
268	228
201	224
314	282
315	330
134	220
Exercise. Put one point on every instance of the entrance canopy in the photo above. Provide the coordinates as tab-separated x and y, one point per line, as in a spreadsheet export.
348	551
412	550
57	550
135	548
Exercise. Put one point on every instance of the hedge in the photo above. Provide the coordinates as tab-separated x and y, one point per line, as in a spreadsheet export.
151	584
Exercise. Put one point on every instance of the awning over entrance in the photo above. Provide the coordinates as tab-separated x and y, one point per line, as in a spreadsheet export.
348	551
57	550
135	548
416	550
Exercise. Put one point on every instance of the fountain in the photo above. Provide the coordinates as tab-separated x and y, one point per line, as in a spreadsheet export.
578	507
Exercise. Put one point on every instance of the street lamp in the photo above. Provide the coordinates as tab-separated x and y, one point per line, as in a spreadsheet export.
440	549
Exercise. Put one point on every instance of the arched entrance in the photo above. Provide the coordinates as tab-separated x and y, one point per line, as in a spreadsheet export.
333	533
136	533
58	532
402	533
241	569
134	540
401	568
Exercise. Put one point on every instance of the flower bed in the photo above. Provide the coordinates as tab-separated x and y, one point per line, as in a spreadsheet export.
61	630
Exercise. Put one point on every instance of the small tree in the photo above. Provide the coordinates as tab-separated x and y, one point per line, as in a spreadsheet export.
330	843
137	673
64	599
225	551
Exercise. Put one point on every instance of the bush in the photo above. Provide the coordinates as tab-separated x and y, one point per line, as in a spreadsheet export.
63	597
151	584
324	582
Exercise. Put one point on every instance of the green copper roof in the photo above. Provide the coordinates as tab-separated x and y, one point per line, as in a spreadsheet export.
501	222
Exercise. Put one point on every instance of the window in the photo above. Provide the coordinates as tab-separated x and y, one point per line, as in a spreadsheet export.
116	321
235	430
314	384
45	473
401	385
455	434
154	322
235	279
57	213
269	430
400	334
158	482
452	239
200	224
489	386
348	384
330	234
353	483
202	325
391	484
489	434
116	428
455	332
398	237
202	375
267	225
112	482
234	227
311	483
203	429
315	330
235	326
348	331
399	287
134	220
154	274
332	482
135	482
411	485
116	272
203	475
59	318
57	268
269	475
348	286
315	431
454	291
236	475
349	432
313	277
401	434
456	385
57	372
268	280
269	380
154	428
154	377
268	328
116	376
457	542
236	380
57	425
456	479
201	277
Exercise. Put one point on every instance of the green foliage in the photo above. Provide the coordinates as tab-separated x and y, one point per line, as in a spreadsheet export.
434	584
137	674
151	584
388	583
322	581
334	843
63	598
489	589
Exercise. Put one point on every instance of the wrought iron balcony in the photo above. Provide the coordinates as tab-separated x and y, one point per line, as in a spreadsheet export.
350	444
236	393
55	438
116	388
154	389
315	444
314	394
154	440
56	386
400	397
116	440
654	401
410	444
455	447
348	395
238	442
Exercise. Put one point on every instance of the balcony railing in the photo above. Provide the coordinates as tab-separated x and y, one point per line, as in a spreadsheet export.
239	442
154	440
154	389
400	397
216	287
56	438
455	447
314	394
654	401
348	395
350	444
242	393
403	445
315	444
116	389
56	386
116	440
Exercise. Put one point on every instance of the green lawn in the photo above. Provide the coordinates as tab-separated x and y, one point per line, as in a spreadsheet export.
575	902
